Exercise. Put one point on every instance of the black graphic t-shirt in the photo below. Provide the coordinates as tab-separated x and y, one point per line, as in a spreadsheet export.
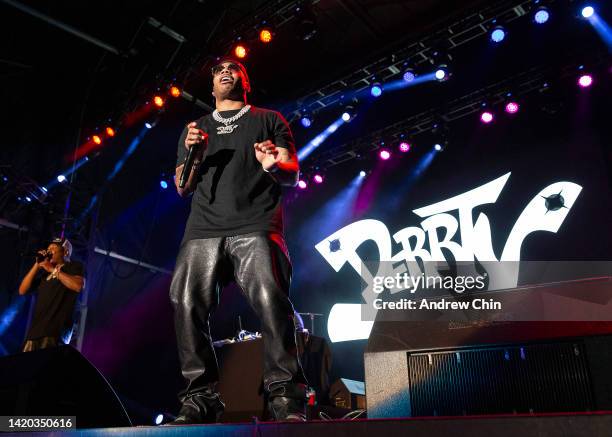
234	195
54	304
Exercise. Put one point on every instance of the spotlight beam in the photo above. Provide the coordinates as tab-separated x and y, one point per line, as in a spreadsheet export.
603	29
319	139
401	83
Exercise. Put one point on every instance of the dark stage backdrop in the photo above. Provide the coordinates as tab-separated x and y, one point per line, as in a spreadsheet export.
129	335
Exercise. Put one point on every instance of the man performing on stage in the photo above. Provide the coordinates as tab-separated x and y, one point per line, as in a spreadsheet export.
58	288
235	231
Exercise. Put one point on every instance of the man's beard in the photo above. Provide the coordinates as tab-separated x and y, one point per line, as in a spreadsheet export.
235	93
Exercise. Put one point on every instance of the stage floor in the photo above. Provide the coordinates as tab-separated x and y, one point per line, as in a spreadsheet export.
558	425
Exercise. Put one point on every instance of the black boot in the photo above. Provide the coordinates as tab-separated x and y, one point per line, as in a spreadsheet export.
200	408
287	402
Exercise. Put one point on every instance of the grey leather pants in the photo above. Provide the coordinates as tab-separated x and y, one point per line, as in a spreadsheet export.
259	263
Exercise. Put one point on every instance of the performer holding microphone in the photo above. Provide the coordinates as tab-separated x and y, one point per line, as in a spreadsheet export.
235	232
58	282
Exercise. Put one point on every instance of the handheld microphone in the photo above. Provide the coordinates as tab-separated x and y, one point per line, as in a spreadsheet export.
188	165
40	257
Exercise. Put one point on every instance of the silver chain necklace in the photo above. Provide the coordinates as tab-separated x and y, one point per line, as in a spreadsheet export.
228	127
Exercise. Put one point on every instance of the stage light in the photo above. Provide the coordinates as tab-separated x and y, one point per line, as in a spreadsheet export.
498	34
151	123
438	147
585	81
163	184
442	73
404	147
96	139
240	51
306	121
346	117
362	174
384	154
318	179
61	178
486	117
588	11
158	101
28	198
110	131
159	419
542	15
376	89
512	107
409	75
265	36
302	184
175	91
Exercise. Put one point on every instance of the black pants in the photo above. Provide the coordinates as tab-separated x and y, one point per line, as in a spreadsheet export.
259	264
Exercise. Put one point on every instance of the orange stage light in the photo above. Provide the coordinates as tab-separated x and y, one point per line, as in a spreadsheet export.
159	102
265	36
240	51
110	131
175	91
96	139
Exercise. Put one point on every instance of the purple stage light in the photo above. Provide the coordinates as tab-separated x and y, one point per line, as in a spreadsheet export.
404	146
512	107
318	179
585	81
302	184
486	117
384	154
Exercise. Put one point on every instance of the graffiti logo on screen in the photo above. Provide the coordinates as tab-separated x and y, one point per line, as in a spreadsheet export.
465	238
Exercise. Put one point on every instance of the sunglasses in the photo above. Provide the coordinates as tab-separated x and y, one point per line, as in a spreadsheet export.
217	69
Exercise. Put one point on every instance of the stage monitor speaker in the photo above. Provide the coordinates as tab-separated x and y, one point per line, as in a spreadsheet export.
58	382
443	368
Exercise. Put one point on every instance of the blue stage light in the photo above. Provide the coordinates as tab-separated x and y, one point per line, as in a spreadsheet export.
163	184
61	178
362	174
588	11
438	147
148	125
159	419
346	117
498	34
542	15
306	121
376	90
409	75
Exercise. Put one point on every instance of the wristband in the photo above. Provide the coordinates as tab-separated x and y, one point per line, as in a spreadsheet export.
272	169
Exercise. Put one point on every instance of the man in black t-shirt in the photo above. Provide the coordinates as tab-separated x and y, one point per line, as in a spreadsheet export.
58	282
235	231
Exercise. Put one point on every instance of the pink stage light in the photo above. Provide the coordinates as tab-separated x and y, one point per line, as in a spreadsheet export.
585	81
486	117
512	107
384	154
404	147
318	179
302	184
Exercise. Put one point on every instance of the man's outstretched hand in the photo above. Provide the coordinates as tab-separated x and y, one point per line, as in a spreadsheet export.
267	154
